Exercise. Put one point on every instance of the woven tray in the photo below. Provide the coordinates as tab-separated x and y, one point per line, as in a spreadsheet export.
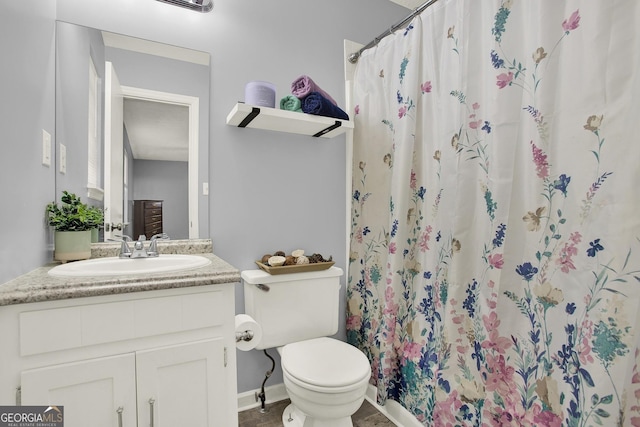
285	269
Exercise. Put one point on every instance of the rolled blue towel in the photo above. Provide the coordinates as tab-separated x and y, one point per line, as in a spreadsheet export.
315	103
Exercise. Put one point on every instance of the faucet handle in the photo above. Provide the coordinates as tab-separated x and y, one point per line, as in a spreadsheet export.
125	250
153	246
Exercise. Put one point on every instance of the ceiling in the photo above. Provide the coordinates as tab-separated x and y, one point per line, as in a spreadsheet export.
159	131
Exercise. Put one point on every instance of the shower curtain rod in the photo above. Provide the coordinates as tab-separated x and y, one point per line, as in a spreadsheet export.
353	58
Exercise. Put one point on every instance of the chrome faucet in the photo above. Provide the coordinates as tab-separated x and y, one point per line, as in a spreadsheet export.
139	250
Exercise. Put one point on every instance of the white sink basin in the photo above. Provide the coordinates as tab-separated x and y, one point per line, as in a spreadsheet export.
113	266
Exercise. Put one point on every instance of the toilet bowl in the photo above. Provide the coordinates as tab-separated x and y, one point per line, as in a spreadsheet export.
326	380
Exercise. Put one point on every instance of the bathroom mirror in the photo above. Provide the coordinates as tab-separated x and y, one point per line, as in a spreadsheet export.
132	125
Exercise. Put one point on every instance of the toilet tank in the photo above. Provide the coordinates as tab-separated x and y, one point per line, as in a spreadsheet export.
296	307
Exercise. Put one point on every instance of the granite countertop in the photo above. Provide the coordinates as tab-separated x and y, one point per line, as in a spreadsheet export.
38	285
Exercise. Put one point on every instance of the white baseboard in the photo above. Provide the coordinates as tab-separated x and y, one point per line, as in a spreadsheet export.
273	393
396	413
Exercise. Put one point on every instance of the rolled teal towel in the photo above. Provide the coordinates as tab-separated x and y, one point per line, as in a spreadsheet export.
291	103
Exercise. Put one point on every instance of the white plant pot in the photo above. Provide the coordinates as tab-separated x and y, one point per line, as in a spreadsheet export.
72	245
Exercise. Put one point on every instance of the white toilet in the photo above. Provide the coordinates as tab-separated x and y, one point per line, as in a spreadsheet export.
326	379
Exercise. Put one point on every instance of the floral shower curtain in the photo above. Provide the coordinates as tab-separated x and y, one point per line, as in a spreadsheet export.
494	273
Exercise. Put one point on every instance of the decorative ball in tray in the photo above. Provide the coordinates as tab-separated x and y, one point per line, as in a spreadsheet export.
296	262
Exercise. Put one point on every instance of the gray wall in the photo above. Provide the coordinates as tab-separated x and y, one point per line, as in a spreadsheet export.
27	106
269	190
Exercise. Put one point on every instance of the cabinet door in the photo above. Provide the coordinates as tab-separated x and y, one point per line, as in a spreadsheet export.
91	391
183	385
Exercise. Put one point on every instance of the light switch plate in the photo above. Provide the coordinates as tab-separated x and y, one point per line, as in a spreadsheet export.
63	158
46	148
205	188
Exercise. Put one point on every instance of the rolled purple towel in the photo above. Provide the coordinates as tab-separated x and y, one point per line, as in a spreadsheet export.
303	86
315	103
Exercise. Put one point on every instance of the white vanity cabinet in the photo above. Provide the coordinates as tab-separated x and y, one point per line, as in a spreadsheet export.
99	390
160	358
180	385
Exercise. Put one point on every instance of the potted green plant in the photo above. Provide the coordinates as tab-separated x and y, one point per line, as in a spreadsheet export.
72	222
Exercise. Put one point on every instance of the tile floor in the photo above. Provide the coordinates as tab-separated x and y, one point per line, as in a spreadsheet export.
366	416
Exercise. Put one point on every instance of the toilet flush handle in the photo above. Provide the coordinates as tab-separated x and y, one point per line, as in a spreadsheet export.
262	287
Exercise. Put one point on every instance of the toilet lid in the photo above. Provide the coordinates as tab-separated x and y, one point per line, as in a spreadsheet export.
325	362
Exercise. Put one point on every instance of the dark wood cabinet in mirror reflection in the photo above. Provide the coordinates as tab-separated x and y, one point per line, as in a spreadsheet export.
147	218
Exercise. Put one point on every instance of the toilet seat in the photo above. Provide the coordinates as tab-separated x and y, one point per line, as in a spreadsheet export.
325	364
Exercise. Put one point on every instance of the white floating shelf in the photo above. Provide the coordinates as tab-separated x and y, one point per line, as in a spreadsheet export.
243	115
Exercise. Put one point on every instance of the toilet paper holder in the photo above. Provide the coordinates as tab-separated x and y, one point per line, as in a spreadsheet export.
244	336
248	332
